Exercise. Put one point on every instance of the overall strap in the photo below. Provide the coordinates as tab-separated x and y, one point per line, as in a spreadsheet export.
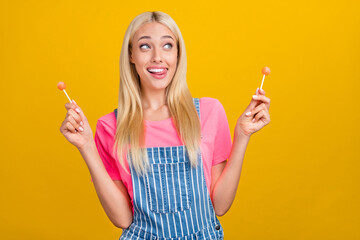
197	105
115	111
196	102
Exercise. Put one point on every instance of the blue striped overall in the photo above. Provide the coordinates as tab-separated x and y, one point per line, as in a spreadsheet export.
172	201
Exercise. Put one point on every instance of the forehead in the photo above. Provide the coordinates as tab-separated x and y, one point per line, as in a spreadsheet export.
154	30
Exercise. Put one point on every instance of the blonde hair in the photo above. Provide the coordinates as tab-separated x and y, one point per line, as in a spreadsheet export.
130	130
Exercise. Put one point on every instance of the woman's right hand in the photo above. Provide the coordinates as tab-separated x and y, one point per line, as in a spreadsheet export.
75	127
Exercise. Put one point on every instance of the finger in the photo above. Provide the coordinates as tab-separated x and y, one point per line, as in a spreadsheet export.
80	112
70	127
257	109
70	105
259	115
261	91
264	117
255	101
72	121
262	98
76	116
252	104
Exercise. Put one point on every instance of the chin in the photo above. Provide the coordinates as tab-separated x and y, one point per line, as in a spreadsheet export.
157	84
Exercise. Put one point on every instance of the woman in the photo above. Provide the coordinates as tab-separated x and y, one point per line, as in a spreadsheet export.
159	161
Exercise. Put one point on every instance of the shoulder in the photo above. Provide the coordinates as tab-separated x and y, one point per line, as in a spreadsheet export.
106	124
211	111
208	104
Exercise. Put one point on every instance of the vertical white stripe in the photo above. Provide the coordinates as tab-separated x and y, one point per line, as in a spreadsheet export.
167	184
172	175
179	183
186	182
208	201
156	225
181	202
187	224
205	194
147	207
162	226
167	188
141	202
155	189
198	183
134	199
193	195
192	182
182	206
161	188
205	190
162	222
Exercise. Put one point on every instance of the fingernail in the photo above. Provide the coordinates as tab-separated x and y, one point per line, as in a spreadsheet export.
253	120
257	90
255	96
77	109
248	113
81	129
74	101
81	123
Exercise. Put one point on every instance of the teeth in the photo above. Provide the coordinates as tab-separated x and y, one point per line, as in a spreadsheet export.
157	70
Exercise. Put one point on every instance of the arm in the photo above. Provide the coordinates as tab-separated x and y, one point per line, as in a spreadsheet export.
226	177
112	194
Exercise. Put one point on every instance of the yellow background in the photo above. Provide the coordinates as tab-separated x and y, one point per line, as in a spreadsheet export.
300	178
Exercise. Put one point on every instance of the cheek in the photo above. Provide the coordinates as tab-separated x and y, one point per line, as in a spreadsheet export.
139	61
172	59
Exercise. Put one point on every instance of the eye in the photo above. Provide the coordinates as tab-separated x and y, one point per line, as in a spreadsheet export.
144	46
169	45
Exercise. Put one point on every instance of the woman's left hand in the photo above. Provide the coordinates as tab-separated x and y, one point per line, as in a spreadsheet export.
249	123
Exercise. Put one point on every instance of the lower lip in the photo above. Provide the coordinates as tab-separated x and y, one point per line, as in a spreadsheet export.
159	76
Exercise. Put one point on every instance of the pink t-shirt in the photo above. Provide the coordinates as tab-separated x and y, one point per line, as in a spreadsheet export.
215	144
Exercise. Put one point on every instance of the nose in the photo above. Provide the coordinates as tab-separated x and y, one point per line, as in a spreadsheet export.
156	57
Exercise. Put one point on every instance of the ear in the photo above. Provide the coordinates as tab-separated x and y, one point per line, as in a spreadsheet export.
130	56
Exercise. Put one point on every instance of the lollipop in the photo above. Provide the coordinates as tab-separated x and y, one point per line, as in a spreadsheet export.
265	71
62	86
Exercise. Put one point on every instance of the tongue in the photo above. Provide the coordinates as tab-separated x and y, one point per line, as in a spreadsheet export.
158	73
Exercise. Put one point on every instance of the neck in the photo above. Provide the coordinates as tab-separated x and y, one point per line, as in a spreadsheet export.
153	99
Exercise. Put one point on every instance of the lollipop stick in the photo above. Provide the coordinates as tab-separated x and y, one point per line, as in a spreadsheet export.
262	82
67	95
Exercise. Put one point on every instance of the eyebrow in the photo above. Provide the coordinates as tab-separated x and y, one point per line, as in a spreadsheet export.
148	37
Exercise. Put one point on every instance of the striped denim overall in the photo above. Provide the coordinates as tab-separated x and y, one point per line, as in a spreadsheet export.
172	201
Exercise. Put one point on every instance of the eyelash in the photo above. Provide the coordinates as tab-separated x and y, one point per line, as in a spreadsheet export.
148	45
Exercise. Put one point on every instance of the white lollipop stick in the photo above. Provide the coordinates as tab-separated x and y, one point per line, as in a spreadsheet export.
262	82
265	71
67	95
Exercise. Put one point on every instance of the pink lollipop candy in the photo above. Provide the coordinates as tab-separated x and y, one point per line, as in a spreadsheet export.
62	86
265	71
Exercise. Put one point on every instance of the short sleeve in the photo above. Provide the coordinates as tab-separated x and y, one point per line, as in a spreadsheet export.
104	140
222	142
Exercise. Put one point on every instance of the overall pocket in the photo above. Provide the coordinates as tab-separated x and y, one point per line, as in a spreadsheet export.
168	187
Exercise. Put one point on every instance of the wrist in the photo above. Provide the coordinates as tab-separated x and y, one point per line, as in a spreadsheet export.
240	134
241	137
88	147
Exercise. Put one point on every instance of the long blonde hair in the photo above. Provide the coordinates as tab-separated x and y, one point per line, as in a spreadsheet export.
130	130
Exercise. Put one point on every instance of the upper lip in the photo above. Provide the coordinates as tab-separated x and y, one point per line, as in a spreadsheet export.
157	67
